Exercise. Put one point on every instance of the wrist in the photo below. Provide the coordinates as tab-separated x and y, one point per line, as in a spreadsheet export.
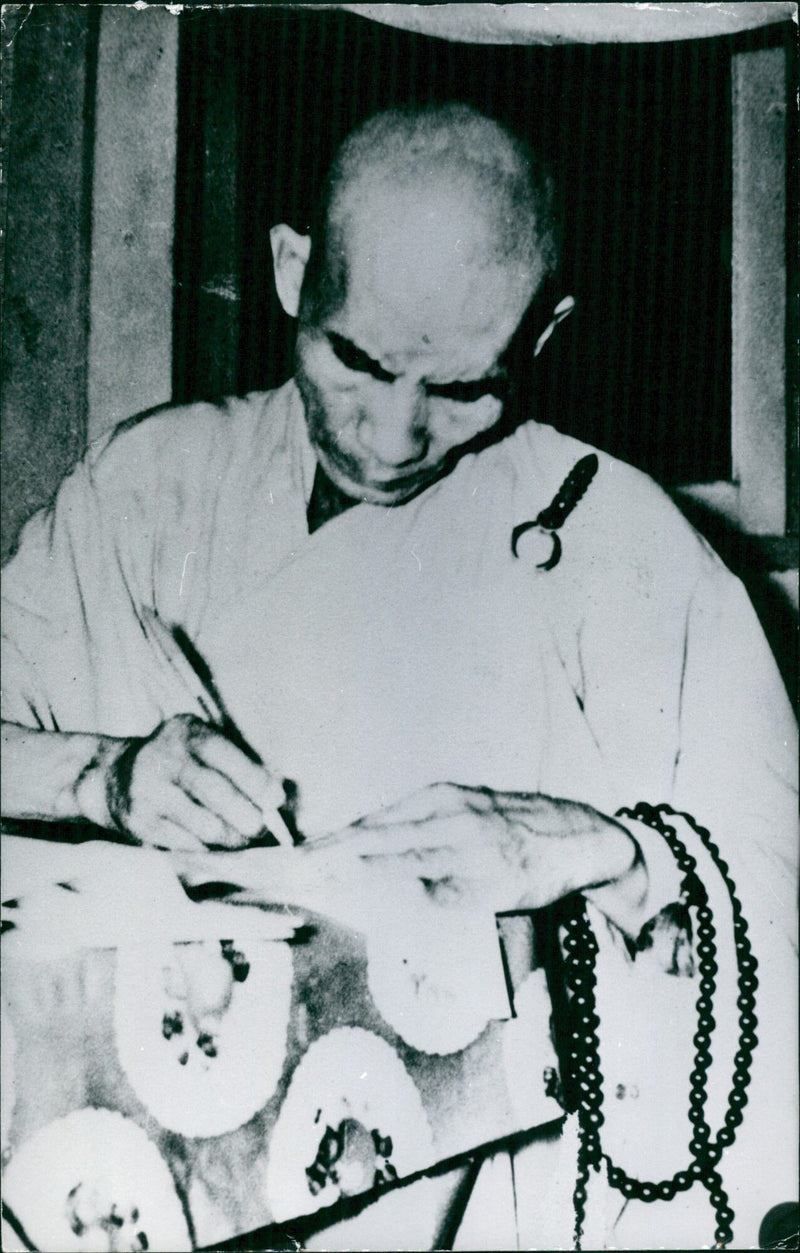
623	899
115	780
654	883
87	797
52	776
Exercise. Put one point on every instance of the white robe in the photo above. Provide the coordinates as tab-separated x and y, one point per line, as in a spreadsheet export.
395	648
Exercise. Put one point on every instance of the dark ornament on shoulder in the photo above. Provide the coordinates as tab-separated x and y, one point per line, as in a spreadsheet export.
544	527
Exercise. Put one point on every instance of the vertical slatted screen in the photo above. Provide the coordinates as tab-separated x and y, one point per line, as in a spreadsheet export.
639	137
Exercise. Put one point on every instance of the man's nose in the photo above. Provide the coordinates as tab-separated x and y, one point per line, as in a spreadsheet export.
394	430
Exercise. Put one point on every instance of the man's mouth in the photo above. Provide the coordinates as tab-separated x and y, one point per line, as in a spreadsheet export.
400	481
354	475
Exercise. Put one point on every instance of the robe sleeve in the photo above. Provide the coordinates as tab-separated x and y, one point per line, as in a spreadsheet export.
126	529
735	766
49	588
684	696
736	775
736	770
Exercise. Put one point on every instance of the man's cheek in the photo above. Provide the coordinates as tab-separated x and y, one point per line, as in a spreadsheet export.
335	412
331	395
332	421
488	412
454	426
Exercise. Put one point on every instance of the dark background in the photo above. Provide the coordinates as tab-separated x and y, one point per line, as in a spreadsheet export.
638	136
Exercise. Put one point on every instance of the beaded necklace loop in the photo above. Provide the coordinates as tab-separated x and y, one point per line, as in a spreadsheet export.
586	1080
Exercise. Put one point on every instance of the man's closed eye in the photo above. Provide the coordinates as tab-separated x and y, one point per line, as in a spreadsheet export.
465	393
354	358
469	393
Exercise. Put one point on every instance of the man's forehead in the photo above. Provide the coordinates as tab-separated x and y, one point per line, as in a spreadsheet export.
423	225
439	348
421	271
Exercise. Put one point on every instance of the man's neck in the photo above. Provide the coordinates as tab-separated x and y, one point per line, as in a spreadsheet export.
326	502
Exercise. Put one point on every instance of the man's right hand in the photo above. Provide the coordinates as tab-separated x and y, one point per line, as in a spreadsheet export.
188	785
185	786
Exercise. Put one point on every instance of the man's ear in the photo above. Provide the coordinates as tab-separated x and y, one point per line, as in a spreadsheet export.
290	253
562	310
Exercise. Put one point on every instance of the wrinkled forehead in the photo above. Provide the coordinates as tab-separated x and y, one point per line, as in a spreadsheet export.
428	263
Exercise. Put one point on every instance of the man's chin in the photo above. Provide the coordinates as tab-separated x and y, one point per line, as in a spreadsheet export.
391	492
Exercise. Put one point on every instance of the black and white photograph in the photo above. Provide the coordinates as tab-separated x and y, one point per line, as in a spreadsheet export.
399	627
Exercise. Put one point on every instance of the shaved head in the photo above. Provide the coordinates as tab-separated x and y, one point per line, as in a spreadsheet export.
431	244
444	179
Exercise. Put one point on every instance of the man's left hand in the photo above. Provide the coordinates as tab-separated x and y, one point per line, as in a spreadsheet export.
495	850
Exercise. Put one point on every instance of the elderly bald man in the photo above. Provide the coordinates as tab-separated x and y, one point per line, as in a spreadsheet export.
435	233
468	647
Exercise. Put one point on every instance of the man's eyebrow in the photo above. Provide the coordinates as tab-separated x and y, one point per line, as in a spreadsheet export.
495	382
355	358
464	390
469	390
